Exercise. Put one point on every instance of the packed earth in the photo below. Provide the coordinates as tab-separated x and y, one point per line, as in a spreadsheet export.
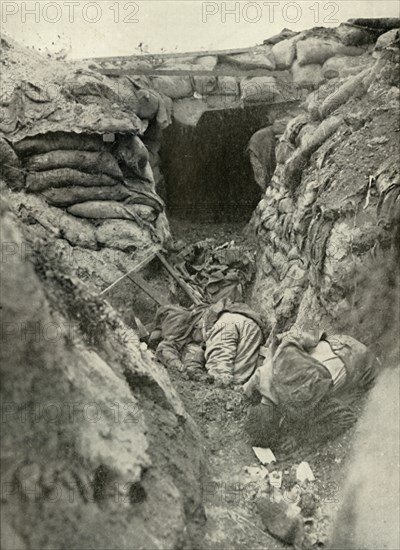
261	184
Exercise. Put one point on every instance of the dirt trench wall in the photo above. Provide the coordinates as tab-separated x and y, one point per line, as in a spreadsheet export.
97	449
330	208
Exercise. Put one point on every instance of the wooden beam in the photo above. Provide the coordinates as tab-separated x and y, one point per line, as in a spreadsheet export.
184	72
173	55
138	267
147	289
183	284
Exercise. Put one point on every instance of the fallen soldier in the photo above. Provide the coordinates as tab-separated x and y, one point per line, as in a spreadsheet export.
182	344
225	338
308	387
233	335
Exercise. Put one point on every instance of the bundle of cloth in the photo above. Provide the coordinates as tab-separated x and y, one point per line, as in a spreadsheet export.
308	384
222	340
216	272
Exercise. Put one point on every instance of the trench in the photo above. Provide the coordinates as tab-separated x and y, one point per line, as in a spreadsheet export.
207	170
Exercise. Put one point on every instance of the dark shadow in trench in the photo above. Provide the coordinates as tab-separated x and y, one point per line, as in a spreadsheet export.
208	175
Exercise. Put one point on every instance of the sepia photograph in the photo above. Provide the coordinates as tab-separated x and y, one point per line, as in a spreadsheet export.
200	274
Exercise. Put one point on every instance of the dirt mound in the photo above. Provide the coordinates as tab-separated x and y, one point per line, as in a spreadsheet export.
97	450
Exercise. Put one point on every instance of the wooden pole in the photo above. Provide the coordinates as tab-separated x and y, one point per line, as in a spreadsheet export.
184	286
138	267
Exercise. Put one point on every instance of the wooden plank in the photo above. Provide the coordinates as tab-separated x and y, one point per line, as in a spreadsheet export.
185	72
183	284
147	289
138	267
173	55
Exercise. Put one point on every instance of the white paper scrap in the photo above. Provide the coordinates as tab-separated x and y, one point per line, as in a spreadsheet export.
265	456
304	472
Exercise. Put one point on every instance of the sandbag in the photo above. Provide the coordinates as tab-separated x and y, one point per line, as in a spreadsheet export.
189	111
216	85
380	23
308	76
206	62
313	141
306	131
132	155
148	103
294	126
66	177
227	85
56	221
284	53
81	84
85	161
112	210
66	196
205	85
258	89
387	39
53	141
352	87
123	235
355	36
293	169
315	50
284	151
10	166
175	87
260	57
343	65
295	166
312	104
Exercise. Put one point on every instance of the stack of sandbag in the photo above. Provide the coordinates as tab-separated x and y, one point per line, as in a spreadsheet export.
10	166
316	50
110	184
313	51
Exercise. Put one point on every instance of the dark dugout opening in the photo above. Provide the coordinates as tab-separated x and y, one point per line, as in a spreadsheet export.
207	170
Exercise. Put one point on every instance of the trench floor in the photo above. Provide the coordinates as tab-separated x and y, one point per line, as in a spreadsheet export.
230	496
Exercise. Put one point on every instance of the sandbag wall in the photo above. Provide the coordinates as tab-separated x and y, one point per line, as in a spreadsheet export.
105	189
332	200
275	71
